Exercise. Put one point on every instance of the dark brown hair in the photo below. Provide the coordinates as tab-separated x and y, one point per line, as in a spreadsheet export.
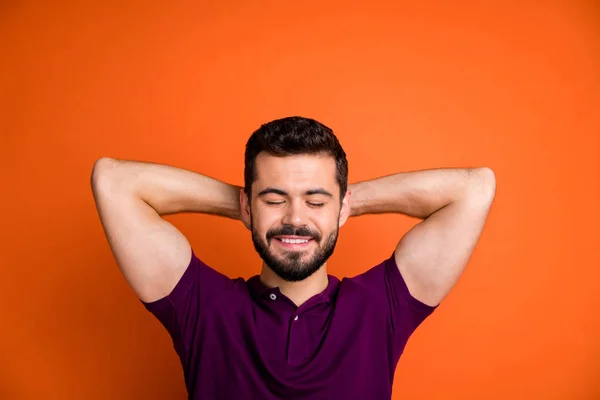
292	136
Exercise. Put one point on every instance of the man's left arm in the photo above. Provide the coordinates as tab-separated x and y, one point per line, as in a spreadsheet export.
453	203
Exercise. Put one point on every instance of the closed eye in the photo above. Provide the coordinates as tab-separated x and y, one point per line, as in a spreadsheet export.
275	203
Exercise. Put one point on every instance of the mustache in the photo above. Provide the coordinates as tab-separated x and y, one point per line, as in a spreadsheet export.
288	230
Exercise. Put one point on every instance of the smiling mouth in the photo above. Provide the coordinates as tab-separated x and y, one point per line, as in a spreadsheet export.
294	243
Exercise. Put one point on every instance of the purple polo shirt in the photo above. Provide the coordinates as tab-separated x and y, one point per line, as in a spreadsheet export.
239	339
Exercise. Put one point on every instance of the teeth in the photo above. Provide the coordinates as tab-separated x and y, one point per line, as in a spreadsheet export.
294	241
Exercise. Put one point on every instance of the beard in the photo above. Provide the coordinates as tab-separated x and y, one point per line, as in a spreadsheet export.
290	266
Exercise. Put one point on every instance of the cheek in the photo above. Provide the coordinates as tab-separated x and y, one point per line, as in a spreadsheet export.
327	223
263	220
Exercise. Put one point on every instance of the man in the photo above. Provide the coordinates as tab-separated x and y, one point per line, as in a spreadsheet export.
292	332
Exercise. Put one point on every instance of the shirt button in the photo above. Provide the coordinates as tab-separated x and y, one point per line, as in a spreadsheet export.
296	318
273	296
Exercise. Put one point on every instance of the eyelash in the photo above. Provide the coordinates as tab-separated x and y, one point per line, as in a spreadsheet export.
275	203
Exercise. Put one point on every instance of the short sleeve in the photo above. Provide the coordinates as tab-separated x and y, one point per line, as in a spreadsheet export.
406	312
180	311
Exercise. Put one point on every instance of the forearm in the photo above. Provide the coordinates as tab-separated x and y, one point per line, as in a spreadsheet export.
168	189
417	193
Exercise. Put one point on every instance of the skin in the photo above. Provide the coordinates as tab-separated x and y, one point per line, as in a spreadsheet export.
132	196
281	198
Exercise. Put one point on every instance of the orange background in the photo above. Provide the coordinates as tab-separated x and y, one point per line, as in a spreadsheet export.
405	86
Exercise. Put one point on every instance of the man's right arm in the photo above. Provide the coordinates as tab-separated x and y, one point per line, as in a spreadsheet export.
131	197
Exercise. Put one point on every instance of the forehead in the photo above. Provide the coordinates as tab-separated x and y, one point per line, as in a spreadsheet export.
296	173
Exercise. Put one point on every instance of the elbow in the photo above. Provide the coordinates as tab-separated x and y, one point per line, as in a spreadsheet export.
101	172
483	183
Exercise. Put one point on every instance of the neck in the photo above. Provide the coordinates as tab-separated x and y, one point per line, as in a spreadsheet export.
298	292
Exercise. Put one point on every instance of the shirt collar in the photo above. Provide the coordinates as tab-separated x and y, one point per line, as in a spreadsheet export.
261	291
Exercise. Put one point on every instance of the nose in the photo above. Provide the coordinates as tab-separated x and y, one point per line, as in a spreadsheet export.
295	214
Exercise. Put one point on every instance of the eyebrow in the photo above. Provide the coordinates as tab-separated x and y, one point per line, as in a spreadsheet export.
284	193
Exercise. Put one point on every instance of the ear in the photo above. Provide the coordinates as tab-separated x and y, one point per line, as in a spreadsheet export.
245	208
345	210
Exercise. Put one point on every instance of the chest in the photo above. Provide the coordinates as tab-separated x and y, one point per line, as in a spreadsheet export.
288	352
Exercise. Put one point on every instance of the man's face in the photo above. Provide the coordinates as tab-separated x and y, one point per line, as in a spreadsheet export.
295	213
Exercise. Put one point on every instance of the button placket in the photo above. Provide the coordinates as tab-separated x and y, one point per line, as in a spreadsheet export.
297	351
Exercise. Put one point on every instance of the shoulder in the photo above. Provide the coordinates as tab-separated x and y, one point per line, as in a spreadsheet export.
384	283
200	285
369	284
